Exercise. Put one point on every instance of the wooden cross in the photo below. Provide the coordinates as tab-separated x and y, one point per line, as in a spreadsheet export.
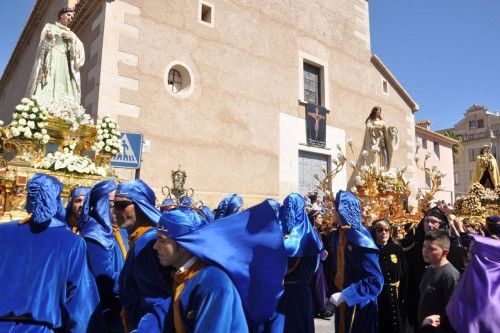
317	117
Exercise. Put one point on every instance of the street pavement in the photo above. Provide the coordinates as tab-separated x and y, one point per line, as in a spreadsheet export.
323	325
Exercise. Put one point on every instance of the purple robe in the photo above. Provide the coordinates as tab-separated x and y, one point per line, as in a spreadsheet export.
475	303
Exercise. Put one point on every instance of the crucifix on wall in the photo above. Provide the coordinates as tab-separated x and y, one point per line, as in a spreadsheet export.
316	125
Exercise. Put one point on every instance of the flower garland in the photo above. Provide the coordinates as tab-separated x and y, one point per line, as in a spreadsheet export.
68	110
29	121
67	161
108	137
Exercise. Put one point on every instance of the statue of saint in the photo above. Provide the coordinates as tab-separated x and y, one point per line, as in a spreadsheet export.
382	140
60	55
486	170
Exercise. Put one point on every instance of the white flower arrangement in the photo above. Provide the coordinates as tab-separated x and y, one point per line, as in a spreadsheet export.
108	139
67	109
29	121
67	161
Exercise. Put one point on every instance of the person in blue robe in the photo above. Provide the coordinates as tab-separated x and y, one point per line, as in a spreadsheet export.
167	204
236	283
230	204
358	277
74	206
303	247
207	213
143	282
46	283
96	228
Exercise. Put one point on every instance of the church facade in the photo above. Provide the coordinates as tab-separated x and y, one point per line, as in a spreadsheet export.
221	87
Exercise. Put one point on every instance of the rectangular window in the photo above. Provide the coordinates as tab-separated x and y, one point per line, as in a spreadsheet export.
427	180
312	84
473	153
385	88
472	124
436	150
480	123
206	13
456	178
494	151
424	143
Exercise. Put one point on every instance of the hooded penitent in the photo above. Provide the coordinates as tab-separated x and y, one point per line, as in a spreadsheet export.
349	209
473	306
95	222
80	191
43	200
142	196
248	246
229	205
300	237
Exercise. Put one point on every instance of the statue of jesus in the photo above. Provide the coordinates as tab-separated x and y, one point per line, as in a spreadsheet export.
59	57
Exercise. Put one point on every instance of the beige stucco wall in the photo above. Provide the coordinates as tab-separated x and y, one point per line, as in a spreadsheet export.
246	78
245	73
17	80
443	162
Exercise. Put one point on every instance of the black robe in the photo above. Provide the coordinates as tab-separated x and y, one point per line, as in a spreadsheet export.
391	301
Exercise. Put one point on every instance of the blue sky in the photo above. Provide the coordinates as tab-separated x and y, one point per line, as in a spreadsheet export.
13	16
446	53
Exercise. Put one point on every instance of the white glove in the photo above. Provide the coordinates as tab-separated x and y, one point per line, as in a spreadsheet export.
337	299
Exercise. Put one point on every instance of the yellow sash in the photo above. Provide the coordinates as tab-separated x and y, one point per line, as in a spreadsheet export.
119	239
339	276
136	234
180	280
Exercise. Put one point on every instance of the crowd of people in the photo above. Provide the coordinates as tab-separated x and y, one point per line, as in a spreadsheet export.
431	275
111	261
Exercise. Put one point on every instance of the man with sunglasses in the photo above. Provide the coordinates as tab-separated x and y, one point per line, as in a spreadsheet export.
391	301
143	281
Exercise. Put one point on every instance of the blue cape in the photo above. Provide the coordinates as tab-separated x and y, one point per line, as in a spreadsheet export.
276	206
349	209
95	222
43	200
229	205
248	246
142	196
80	191
300	237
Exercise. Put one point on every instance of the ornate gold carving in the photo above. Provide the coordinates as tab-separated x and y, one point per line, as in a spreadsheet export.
27	152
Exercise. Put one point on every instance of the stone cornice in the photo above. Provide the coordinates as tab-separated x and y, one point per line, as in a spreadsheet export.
84	10
434	135
377	62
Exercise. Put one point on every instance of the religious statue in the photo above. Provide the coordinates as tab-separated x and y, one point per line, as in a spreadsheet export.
381	140
486	170
59	57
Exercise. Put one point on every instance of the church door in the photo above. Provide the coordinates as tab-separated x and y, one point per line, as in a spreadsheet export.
310	164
